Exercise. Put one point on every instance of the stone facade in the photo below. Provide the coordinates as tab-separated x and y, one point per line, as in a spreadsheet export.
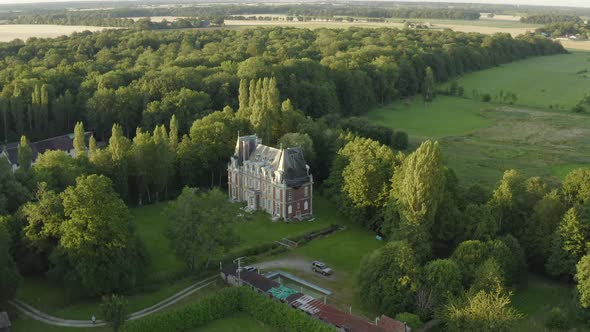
277	181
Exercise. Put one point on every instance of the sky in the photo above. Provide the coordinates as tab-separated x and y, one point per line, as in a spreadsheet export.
571	3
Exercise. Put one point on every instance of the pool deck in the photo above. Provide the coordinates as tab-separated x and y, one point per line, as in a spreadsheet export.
273	274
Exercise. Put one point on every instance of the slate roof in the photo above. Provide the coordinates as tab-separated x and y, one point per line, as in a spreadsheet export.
290	161
63	143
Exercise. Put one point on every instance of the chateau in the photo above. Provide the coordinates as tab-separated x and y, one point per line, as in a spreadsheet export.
274	180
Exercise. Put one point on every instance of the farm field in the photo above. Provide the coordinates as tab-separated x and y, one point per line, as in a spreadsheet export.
455	25
10	32
481	140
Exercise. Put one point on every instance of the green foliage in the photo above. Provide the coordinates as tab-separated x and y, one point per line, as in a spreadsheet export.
44	217
9	276
417	190
482	311
290	140
98	250
79	141
25	154
488	277
58	169
468	255
443	278
410	319
201	226
428	86
583	278
365	177
557	319
388	278
569	242
114	309
576	187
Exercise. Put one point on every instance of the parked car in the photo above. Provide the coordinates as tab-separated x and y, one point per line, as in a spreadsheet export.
249	268
322	268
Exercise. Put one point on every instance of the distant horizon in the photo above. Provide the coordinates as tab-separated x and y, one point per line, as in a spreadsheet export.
569	3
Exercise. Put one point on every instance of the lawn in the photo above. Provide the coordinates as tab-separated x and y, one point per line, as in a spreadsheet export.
343	251
238	322
538	82
537	297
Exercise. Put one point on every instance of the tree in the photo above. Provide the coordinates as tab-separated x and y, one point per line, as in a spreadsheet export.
468	255
480	223
583	279
44	217
114	311
118	149
201	226
488	277
365	177
569	242
25	154
80	141
576	187
57	169
417	190
98	251
483	311
388	278
428	86
443	278
9	276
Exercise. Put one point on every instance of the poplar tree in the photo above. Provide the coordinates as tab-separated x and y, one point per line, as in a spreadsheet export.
243	97
79	141
418	189
173	135
569	242
428	86
119	146
24	154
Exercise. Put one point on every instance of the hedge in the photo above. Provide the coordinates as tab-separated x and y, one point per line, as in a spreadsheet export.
223	304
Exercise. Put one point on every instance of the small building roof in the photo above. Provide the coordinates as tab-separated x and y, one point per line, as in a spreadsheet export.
256	280
4	321
63	143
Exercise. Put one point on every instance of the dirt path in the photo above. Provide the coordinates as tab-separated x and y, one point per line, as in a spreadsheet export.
294	263
55	321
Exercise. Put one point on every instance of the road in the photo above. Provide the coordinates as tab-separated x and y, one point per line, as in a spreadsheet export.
293	263
55	321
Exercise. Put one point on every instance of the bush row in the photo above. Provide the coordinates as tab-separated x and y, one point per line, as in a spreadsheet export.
224	303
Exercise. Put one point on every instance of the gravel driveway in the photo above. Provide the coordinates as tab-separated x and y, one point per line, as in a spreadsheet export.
293	263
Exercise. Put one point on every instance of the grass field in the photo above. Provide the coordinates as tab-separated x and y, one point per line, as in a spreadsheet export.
482	140
537	297
239	322
538	82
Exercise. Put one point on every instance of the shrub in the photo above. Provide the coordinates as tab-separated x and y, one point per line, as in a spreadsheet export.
557	319
412	320
486	97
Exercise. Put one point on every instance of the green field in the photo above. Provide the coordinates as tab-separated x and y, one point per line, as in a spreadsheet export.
482	140
537	82
239	322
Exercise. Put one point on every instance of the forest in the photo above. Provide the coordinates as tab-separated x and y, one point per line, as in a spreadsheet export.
561	29
550	18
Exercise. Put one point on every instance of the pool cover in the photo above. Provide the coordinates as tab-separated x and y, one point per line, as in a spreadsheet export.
282	292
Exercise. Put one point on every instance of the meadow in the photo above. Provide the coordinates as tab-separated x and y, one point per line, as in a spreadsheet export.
481	140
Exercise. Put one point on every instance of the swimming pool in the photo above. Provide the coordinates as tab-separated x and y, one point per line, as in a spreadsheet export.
298	284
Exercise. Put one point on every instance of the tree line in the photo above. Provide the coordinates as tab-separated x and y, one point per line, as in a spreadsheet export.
562	29
550	18
141	78
455	252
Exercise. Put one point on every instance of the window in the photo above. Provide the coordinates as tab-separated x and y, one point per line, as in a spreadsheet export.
277	193
290	195
290	209
306	191
305	205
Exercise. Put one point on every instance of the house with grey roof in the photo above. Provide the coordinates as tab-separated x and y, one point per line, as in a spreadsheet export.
277	181
63	143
